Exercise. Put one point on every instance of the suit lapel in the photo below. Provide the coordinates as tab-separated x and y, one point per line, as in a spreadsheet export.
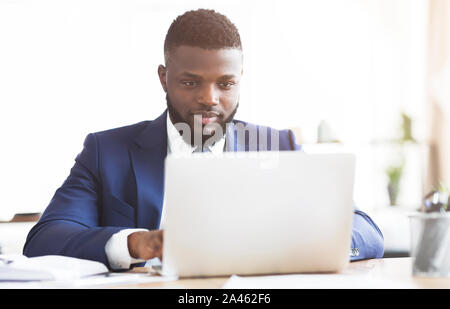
147	157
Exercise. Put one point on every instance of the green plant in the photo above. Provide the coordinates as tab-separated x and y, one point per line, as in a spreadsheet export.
394	173
406	129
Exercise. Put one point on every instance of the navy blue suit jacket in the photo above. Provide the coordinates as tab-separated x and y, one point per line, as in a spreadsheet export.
117	183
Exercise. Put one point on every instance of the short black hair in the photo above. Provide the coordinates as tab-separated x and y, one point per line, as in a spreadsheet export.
202	28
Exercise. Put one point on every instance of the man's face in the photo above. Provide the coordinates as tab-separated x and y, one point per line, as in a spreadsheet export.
202	83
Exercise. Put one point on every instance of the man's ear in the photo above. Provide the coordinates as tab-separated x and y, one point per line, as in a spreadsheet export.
162	73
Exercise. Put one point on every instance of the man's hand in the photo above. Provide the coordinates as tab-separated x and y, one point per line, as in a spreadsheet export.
146	245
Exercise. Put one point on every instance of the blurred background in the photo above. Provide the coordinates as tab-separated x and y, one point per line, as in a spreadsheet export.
366	76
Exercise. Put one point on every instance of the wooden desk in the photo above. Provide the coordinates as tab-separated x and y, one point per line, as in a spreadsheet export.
24	217
396	270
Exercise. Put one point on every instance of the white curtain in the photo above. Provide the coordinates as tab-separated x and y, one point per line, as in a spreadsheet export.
438	85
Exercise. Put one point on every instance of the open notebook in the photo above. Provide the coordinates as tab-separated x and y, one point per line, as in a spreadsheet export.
48	267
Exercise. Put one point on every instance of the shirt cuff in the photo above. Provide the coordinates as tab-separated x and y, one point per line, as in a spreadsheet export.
117	252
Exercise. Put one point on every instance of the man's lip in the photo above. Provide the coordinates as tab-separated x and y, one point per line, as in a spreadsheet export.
208	120
206	114
207	117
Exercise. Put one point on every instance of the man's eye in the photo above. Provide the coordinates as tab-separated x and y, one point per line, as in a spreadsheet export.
226	84
189	83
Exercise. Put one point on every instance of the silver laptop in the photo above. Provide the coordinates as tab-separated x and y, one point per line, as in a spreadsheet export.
257	213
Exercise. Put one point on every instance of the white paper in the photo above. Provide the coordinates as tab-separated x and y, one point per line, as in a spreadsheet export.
314	281
54	271
48	267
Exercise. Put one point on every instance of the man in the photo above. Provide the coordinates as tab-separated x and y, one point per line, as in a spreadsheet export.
109	209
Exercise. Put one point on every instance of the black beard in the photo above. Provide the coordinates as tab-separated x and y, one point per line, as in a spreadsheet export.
177	118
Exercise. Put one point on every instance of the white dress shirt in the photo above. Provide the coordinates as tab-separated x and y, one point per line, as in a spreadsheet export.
116	247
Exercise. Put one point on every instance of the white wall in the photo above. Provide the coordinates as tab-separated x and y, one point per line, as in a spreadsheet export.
68	68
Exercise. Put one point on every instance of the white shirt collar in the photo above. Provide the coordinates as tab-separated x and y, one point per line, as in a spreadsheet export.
176	144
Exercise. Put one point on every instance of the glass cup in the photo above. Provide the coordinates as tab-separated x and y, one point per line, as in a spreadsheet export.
430	244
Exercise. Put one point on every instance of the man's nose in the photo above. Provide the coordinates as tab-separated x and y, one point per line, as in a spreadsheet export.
209	95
